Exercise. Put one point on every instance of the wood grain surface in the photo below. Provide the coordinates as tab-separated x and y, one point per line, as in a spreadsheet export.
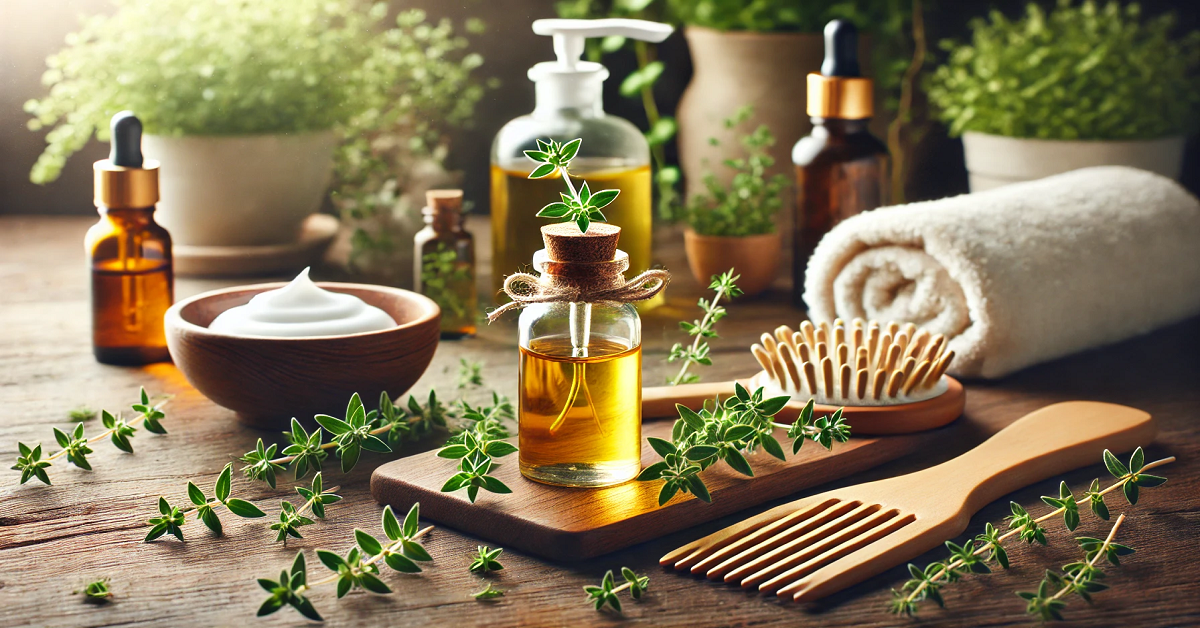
567	523
53	540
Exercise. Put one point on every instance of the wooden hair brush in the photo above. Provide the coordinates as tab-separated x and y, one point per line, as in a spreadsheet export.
890	378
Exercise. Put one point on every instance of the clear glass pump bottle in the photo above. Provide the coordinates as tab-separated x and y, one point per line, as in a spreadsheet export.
580	390
614	153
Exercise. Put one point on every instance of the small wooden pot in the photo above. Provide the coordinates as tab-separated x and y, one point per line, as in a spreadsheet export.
267	381
755	258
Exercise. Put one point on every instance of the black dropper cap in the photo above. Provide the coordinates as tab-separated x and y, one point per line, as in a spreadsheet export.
126	140
841	49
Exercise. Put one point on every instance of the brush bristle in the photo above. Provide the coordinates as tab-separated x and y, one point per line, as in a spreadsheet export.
863	363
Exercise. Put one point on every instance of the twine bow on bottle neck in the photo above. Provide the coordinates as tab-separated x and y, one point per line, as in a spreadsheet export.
527	289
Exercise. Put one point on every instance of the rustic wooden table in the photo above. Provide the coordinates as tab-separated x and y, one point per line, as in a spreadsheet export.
90	525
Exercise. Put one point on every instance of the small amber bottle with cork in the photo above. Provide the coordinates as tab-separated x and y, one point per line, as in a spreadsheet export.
444	262
580	338
841	169
129	253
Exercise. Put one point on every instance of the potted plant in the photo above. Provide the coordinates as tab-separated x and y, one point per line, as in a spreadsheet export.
247	103
1084	85
733	225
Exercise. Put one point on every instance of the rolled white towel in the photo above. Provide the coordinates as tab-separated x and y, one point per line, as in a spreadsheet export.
1023	273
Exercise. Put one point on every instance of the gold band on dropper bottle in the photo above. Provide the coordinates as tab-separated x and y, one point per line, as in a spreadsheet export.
839	90
125	180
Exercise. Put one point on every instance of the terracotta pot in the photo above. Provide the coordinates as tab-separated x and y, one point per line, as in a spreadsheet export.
240	190
996	160
736	68
755	258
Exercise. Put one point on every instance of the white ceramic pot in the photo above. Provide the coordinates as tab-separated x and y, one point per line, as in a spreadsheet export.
240	190
996	160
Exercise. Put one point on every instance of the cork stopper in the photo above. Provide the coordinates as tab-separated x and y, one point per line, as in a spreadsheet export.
564	242
444	201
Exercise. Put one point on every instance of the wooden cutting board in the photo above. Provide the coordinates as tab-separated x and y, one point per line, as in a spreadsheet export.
568	523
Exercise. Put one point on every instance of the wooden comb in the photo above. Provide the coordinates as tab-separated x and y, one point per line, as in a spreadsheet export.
890	378
818	545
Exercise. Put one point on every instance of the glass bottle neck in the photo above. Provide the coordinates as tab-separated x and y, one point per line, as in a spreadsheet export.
127	215
838	127
444	223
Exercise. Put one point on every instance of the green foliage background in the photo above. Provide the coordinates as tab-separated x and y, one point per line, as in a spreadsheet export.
1086	71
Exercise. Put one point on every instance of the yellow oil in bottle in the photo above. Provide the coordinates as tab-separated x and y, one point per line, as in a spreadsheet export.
516	200
580	418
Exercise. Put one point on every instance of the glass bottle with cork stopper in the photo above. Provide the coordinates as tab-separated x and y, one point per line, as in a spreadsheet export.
444	262
129	254
841	169
580	337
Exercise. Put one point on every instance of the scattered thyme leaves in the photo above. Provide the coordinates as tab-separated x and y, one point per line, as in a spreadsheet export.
606	593
486	560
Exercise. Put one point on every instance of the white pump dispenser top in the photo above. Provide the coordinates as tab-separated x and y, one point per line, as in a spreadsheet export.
570	83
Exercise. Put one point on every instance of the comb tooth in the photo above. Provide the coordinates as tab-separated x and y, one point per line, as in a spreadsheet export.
768	342
872	341
892	328
901	340
797	551
844	380
843	355
837	322
859	535
684	557
880	380
797	341
860	361
879	357
752	559
810	334
827	378
910	329
823	332
939	369
917	376
788	358
895	382
893	356
917	343
861	383
839	336
934	348
764	359
909	365
783	334
858	565
810	378
822	345
764	539
820	576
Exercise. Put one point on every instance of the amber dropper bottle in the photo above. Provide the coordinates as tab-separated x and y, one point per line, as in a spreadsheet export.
129	253
444	262
841	169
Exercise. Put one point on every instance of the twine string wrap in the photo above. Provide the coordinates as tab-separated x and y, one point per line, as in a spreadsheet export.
526	289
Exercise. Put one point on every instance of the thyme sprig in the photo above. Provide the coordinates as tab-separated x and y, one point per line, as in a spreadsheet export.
291	519
1080	578
172	517
974	556
485	560
358	569
76	446
477	446
703	329
728	431
490	592
580	206
606	593
359	430
470	374
97	591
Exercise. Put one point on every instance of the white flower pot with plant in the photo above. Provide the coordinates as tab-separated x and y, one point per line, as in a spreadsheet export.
253	108
733	225
1082	86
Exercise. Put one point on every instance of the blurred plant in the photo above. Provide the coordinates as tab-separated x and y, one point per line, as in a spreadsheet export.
448	282
747	206
229	67
1087	71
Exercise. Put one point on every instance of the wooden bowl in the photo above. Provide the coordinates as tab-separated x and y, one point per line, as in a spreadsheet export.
267	381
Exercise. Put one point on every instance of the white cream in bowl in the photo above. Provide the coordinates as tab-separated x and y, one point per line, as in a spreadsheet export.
301	309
